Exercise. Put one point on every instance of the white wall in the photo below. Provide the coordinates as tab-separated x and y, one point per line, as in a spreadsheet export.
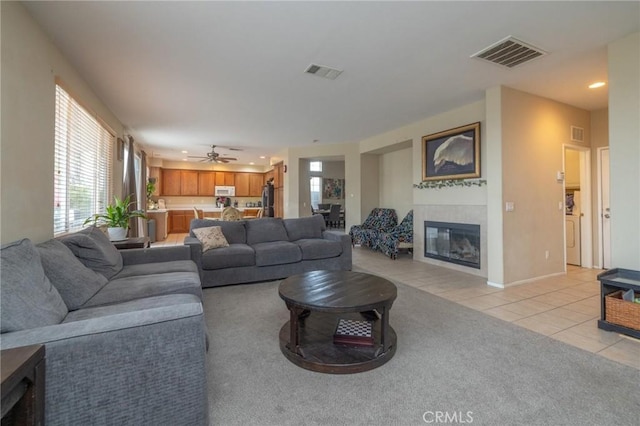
395	181
624	143
30	63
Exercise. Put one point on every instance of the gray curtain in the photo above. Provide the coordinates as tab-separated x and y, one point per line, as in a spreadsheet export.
129	188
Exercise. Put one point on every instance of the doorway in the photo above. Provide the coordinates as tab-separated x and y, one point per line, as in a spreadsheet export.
578	217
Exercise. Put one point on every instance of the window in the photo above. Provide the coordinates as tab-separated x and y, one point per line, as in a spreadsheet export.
82	164
315	184
315	166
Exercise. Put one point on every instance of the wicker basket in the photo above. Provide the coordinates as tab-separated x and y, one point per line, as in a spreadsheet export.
622	312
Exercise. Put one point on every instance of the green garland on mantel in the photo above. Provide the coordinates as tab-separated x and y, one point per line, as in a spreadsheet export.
448	183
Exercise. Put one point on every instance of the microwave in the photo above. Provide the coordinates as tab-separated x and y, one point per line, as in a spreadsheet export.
225	191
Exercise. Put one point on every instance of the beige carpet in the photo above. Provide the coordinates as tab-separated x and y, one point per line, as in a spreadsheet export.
451	362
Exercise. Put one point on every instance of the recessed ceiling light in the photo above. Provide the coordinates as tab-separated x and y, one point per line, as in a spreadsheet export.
597	84
184	159
252	163
185	152
262	157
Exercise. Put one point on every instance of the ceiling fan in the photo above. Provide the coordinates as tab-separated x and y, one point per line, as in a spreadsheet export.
214	157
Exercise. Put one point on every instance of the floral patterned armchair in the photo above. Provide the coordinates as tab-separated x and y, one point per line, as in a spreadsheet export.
379	220
398	238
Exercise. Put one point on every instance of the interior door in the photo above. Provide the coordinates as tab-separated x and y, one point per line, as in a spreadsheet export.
604	208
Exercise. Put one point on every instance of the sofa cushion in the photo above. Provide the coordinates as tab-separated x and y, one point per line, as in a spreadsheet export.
75	282
211	237
305	227
276	253
29	300
234	232
138	287
266	229
156	268
233	256
314	248
93	248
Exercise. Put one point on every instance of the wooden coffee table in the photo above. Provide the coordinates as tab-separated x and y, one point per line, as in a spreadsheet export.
317	300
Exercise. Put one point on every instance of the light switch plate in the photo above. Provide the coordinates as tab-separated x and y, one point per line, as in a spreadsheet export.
509	206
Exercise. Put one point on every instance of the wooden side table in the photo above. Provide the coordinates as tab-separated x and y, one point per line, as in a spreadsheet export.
131	243
23	381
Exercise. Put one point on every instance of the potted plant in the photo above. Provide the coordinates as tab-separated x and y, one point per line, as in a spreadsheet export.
117	218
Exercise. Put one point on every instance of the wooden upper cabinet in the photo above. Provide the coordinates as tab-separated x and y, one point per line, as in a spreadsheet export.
268	175
188	182
206	183
171	182
278	175
225	178
256	182
242	184
156	173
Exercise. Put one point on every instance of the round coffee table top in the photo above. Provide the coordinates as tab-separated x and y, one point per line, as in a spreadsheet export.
337	291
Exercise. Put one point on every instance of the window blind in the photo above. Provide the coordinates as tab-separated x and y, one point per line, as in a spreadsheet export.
82	169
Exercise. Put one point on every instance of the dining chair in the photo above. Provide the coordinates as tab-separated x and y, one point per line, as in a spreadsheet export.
334	215
195	212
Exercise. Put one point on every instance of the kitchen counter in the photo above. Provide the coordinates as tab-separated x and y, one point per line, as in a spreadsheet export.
204	208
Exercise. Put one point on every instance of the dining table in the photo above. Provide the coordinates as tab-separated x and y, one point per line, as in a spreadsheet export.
325	214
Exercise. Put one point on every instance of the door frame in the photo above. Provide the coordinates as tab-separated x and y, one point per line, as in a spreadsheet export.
586	220
600	245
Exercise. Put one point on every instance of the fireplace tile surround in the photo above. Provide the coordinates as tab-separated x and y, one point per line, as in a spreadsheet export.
469	214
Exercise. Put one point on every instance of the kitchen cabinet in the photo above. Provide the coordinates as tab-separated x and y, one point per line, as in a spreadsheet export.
161	219
215	215
171	182
206	183
278	189
156	173
225	178
242	184
188	182
179	221
179	182
256	182
268	175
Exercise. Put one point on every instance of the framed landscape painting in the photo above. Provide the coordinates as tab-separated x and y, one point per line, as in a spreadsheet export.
452	154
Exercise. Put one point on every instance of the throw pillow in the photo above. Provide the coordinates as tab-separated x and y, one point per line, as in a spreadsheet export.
211	237
93	248
28	298
75	282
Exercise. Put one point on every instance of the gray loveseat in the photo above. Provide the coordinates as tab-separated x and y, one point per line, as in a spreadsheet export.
124	332
269	248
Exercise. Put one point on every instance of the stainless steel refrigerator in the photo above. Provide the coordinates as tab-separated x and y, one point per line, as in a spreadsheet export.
267	200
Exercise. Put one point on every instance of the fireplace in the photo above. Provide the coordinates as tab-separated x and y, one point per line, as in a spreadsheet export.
453	242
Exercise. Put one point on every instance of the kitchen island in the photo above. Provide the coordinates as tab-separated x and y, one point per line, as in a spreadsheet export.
180	216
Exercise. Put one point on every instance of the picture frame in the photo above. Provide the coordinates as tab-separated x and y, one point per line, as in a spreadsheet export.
452	154
332	188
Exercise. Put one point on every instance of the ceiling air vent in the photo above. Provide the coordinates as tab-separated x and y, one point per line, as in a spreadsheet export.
509	52
322	71
577	134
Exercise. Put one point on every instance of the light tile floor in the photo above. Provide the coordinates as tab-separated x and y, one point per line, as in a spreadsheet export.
565	307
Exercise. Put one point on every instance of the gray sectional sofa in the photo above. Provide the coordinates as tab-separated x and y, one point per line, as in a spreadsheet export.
269	248
124	331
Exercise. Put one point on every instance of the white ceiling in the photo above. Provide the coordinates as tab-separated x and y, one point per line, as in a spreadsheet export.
185	75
